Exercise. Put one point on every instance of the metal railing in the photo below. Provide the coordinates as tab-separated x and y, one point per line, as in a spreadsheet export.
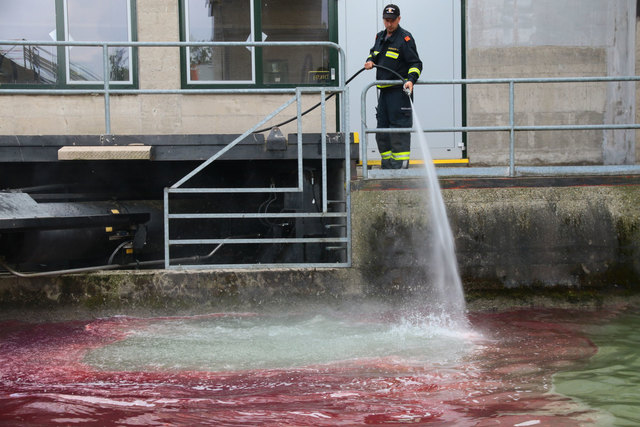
343	215
107	90
512	169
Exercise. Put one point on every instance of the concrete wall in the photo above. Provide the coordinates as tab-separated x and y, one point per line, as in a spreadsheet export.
505	237
576	239
545	38
159	68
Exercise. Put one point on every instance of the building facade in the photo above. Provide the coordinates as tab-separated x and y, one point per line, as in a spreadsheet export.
466	38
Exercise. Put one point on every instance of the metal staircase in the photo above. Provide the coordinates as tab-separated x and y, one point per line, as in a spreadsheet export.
301	219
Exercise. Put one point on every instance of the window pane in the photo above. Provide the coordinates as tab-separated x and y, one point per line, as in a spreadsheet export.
217	20
302	20
28	20
97	20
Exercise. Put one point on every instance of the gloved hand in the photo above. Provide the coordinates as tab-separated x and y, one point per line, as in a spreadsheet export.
408	88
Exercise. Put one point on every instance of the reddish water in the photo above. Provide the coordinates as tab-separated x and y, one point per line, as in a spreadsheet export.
504	380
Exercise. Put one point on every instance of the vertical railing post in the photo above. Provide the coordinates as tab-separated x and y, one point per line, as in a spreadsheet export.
323	147
347	173
512	131
166	229
107	100
342	82
299	132
363	134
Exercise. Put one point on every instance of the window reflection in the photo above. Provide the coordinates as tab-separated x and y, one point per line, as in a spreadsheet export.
281	20
28	20
217	20
302	20
97	20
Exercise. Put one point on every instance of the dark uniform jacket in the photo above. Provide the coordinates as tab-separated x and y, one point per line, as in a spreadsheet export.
398	53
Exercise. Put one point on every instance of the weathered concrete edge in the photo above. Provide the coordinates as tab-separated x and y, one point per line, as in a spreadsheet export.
160	291
180	289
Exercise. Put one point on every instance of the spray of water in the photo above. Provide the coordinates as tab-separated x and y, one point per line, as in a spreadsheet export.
436	332
446	293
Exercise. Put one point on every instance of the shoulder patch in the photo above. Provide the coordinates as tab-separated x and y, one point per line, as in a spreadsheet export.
407	38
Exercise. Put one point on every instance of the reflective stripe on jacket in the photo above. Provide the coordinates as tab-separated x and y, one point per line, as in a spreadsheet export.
398	53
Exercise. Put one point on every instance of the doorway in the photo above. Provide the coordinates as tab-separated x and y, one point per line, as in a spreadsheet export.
437	30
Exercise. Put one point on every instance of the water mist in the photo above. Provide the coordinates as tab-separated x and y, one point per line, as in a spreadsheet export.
445	296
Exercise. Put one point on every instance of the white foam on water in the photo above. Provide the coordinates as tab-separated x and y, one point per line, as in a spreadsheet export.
276	342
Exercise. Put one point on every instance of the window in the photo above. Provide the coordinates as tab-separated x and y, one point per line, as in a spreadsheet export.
220	22
28	20
65	20
97	20
259	20
303	20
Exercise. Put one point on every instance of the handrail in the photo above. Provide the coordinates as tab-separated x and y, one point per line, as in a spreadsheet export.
107	90
177	188
511	127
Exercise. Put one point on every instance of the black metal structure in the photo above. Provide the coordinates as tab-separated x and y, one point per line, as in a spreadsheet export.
70	213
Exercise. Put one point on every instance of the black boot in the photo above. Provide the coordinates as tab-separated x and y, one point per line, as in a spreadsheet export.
396	164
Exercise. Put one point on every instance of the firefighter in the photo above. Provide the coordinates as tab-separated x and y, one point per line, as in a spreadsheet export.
395	49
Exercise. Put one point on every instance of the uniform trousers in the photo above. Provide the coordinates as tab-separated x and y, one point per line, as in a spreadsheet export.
394	111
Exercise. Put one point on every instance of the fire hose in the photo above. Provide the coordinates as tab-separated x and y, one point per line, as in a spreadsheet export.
329	97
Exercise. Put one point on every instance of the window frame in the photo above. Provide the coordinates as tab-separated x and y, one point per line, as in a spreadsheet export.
257	59
63	80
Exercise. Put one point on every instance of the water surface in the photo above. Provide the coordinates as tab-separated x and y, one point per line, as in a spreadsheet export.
311	368
610	380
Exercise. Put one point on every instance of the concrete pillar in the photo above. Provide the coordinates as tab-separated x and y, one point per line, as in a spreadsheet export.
618	146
